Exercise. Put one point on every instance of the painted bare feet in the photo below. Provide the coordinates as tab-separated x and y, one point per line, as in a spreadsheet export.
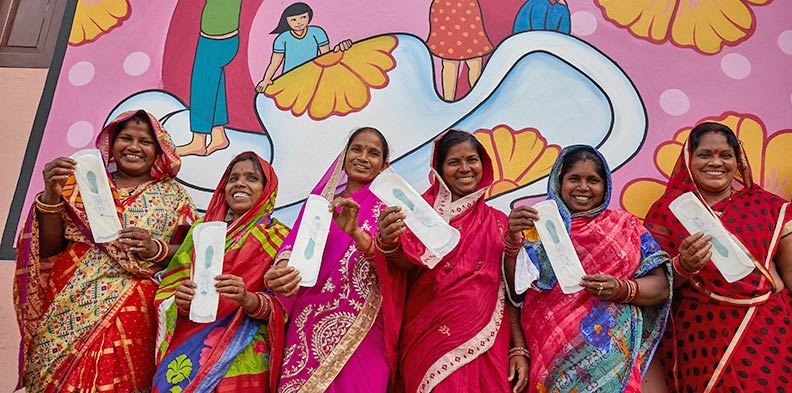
196	147
219	140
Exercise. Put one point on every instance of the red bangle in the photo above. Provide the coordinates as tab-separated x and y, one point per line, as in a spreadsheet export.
368	253
509	244
384	248
263	309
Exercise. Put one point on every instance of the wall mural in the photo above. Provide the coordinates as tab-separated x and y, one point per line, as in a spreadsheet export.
290	80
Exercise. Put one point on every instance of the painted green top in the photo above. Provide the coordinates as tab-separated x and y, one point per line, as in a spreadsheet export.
220	16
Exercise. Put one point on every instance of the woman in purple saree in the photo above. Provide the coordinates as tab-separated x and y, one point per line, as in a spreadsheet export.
336	339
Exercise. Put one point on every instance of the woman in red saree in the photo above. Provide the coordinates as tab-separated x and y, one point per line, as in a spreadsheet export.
598	338
85	309
455	333
237	351
726	336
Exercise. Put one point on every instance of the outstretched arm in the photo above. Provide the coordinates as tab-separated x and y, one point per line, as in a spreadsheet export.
274	64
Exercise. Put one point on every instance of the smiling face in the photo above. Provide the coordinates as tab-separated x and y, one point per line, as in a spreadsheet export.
582	188
365	158
713	165
298	22
462	170
135	150
244	186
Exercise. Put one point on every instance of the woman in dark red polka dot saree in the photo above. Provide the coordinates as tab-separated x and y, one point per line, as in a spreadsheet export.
726	337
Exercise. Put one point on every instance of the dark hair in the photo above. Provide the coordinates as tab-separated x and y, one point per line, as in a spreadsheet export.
579	155
248	156
385	148
707	127
451	139
138	117
292	10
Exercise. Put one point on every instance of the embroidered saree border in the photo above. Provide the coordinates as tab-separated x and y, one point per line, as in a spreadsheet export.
339	356
467	351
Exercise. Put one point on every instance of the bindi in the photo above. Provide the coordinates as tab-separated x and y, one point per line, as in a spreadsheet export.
715	151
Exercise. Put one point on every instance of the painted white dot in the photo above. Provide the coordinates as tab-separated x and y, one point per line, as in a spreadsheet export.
583	23
674	102
136	63
80	134
81	73
736	66
785	42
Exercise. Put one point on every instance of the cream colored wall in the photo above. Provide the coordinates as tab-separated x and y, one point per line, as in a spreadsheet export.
20	91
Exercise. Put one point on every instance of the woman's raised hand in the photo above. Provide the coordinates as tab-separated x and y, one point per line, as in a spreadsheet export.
55	174
695	251
282	279
391	224
185	294
233	288
522	218
347	218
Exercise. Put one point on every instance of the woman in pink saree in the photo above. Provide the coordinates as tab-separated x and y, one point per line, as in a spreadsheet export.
335	340
455	333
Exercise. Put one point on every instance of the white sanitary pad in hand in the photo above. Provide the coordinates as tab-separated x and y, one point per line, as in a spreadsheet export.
727	255
558	246
309	244
432	230
209	251
96	195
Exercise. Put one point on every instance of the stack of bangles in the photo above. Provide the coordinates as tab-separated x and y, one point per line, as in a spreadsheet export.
628	291
519	351
46	208
680	270
368	253
512	249
386	248
263	310
162	252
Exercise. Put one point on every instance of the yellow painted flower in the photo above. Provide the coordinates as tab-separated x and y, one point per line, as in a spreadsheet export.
518	157
705	26
770	166
336	83
94	18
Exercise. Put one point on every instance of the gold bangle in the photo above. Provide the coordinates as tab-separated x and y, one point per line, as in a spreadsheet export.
380	246
46	208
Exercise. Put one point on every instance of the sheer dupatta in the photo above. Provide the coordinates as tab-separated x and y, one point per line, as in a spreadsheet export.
236	350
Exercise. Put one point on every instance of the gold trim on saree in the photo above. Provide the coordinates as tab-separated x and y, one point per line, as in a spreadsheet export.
467	351
751	310
339	356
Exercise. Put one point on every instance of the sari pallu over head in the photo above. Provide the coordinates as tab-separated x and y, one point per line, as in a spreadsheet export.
454	313
734	317
38	280
236	350
595	343
346	300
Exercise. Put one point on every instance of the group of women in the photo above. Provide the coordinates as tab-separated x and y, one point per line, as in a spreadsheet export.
115	316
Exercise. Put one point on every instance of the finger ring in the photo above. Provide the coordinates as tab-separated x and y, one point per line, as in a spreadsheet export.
600	286
599	291
140	243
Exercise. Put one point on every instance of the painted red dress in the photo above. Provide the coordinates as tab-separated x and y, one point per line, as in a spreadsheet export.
725	337
456	30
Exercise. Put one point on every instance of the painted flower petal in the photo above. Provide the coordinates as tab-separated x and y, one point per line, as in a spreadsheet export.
708	25
778	166
336	83
704	25
94	18
294	90
644	18
519	157
638	196
667	155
